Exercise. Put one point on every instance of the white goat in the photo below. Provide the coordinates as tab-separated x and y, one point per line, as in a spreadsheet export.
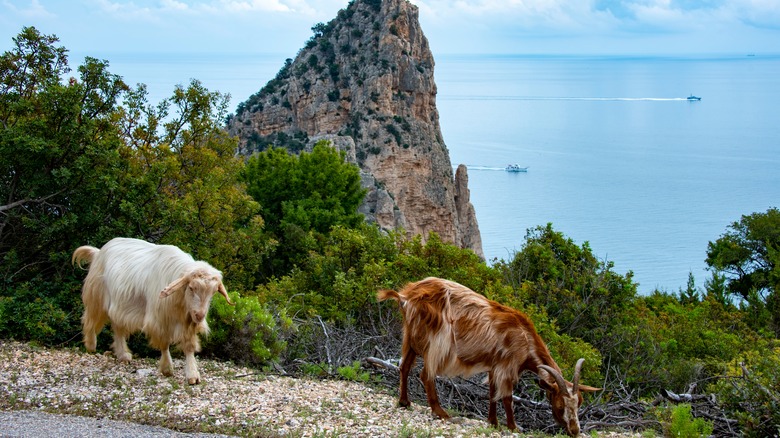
157	289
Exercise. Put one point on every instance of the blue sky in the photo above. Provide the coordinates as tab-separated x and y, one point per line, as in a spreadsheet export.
584	27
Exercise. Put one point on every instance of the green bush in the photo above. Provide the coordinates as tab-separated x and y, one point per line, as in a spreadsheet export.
247	332
353	373
36	311
750	391
677	421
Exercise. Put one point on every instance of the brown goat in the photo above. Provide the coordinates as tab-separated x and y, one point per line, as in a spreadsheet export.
459	332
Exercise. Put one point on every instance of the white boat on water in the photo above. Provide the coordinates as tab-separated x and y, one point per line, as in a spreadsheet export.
515	168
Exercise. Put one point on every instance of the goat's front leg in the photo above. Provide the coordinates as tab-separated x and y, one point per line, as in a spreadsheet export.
190	365
429	381
119	346
492	415
510	412
166	363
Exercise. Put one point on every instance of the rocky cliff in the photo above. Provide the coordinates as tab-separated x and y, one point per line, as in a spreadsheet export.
365	82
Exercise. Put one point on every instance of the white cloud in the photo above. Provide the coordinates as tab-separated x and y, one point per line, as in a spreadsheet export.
759	13
246	6
28	10
175	5
480	26
143	8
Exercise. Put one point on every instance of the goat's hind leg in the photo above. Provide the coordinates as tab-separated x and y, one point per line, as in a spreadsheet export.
429	381
408	359
92	322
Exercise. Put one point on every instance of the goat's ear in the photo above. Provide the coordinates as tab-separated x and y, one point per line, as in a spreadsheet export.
223	291
544	385
586	388
556	376
175	285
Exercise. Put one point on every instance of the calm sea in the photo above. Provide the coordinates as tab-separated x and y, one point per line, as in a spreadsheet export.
617	156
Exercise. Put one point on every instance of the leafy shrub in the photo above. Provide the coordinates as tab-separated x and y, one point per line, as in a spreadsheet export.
392	130
38	312
314	369
678	421
247	332
750	392
353	373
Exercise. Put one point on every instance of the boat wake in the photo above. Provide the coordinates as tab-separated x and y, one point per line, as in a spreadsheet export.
489	168
630	99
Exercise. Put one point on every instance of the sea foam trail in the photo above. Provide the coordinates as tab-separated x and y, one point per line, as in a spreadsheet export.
657	99
475	167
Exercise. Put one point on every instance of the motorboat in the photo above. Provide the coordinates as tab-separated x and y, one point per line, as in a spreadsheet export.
515	168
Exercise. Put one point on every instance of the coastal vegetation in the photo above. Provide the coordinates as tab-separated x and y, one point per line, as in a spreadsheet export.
84	158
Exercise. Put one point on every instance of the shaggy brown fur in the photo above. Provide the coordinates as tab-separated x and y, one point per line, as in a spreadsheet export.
459	332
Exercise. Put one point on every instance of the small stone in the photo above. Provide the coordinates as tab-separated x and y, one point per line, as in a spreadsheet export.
144	372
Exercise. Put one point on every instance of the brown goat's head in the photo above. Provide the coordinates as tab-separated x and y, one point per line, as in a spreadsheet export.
565	397
199	287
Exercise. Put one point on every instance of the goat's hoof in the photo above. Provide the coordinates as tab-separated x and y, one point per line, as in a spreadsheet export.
124	357
166	373
404	403
442	415
193	380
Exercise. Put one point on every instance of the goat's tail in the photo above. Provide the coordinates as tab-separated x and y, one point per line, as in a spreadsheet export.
386	294
83	254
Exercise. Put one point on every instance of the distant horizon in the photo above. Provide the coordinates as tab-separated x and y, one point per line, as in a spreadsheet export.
76	56
527	27
697	55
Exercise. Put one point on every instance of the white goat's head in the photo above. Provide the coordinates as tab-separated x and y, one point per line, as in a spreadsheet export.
565	398
199	286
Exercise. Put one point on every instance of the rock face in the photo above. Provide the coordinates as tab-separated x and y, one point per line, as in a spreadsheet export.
364	81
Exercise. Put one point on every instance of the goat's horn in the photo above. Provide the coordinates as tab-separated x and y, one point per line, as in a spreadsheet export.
576	379
223	291
557	376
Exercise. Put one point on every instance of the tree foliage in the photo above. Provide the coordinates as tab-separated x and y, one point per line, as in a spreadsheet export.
583	294
58	152
302	197
748	255
180	182
88	159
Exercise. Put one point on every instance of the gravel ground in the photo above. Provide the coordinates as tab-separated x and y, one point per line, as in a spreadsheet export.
68	393
44	424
